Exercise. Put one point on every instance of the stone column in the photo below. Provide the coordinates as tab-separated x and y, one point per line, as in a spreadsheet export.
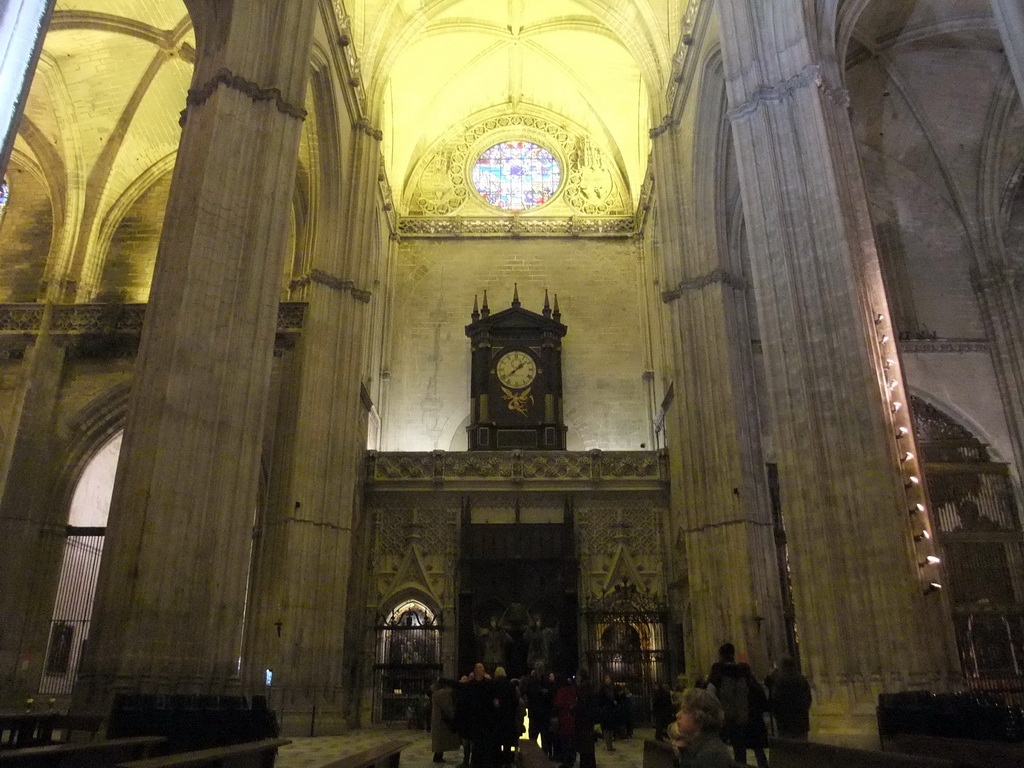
1010	20
23	26
1001	292
170	604
309	538
721	507
31	530
864	620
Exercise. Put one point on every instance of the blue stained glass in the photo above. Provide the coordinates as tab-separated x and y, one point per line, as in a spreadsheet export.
3	194
516	175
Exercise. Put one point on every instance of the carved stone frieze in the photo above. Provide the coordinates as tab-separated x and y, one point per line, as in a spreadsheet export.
572	226
21	317
98	318
518	466
123	319
944	345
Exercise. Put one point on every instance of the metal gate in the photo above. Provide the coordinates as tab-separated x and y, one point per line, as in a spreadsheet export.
408	661
625	638
72	609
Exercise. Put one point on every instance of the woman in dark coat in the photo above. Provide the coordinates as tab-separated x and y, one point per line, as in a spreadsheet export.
585	713
443	735
564	721
789	700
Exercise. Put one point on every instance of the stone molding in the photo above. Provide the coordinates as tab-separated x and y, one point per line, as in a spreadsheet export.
723	276
224	76
666	123
363	126
21	317
811	75
914	346
519	468
516	226
998	277
330	281
78	319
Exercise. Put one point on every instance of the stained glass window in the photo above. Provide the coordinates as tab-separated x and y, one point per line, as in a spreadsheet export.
4	194
516	175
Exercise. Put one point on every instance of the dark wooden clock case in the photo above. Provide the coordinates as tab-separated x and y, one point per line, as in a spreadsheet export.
530	417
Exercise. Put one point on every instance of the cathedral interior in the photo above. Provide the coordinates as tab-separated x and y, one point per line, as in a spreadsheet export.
592	332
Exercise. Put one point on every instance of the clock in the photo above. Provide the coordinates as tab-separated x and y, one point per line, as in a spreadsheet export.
516	378
516	369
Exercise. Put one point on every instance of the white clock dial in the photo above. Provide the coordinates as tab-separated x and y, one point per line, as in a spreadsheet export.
516	369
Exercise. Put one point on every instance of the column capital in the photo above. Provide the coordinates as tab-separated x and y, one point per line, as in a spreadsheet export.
811	75
224	76
998	277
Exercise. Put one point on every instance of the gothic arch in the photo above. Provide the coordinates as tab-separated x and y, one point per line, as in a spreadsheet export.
88	431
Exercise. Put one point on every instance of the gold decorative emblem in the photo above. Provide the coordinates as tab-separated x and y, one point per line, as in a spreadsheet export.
517	401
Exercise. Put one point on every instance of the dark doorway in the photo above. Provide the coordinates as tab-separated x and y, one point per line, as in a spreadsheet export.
518	602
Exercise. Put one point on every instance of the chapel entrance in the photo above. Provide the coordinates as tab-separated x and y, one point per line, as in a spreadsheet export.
517	597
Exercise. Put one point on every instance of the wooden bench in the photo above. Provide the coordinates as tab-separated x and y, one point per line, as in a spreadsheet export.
788	753
384	755
26	729
530	755
966	752
68	725
90	754
253	754
659	754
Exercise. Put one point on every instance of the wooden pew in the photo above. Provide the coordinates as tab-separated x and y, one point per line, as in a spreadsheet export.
26	729
90	754
659	754
384	755
788	753
253	754
967	752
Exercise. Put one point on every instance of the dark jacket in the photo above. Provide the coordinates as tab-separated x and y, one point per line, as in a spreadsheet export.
789	701
706	751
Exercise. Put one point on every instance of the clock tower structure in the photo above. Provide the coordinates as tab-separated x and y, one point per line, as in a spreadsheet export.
516	378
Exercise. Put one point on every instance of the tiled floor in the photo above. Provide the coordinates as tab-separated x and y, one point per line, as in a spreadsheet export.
307	752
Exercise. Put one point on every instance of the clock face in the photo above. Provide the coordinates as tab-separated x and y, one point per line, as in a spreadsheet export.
516	369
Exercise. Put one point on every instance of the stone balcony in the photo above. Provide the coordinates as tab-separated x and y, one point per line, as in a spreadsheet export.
525	470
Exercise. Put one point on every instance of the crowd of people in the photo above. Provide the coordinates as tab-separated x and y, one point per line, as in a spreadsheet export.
710	725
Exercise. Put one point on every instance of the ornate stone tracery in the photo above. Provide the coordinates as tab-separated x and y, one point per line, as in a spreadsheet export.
593	185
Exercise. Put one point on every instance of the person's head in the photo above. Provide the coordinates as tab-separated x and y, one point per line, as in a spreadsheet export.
582	676
787	664
479	671
538	669
499	673
607	679
727	652
699	712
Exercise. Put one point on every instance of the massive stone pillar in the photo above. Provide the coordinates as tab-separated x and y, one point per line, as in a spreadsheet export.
170	604
866	616
23	25
722	524
31	533
308	540
1010	20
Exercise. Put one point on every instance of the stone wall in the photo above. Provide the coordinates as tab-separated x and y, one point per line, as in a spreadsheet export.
598	288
